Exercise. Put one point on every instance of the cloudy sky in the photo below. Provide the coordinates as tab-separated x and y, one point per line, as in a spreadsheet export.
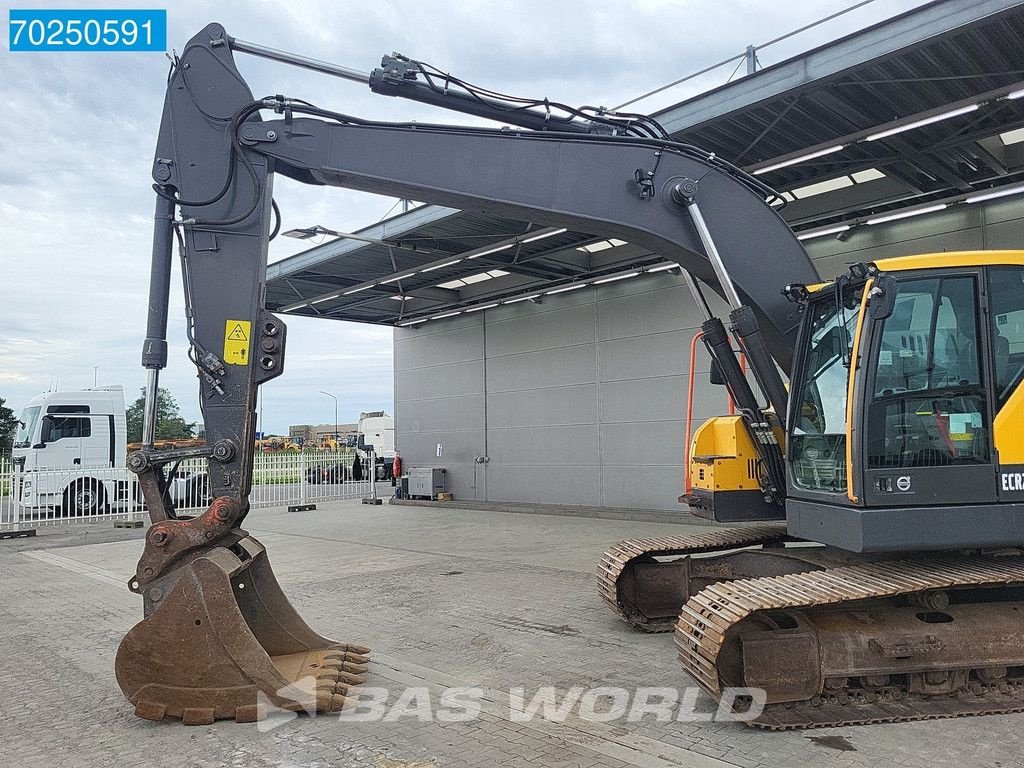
75	199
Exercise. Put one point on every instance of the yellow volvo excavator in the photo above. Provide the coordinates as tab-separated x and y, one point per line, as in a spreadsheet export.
893	589
903	458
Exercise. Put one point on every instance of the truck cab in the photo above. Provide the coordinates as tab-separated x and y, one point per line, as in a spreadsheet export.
69	451
377	434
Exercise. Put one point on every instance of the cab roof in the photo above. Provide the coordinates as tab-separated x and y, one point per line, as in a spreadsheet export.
943	260
951	259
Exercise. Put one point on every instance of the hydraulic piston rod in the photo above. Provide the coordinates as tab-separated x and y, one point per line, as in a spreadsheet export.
154	348
299	61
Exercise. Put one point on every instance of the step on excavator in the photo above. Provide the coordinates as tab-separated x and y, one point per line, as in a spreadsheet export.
892	589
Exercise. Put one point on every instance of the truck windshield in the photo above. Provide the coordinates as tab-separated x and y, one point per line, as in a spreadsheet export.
27	426
818	443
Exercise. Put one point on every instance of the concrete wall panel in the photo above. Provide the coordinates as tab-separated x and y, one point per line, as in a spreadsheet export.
544	368
553	406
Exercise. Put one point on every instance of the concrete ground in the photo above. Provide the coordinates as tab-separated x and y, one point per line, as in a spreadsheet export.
447	598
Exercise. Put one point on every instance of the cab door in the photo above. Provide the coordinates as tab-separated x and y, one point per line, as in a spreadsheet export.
63	439
98	447
927	414
1006	335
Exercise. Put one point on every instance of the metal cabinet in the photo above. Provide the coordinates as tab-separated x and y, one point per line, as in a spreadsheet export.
426	482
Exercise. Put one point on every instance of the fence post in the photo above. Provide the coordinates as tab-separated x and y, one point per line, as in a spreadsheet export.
372	478
302	476
15	481
371	472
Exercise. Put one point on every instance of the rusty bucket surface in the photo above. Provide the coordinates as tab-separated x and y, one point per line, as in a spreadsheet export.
226	643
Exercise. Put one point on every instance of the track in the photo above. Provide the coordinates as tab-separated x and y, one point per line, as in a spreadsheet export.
704	625
619	559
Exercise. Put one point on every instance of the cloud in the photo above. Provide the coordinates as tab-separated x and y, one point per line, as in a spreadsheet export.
75	199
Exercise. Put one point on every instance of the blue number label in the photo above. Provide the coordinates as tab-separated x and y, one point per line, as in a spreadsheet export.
95	30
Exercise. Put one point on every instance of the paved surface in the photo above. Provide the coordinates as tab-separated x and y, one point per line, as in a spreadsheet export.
447	598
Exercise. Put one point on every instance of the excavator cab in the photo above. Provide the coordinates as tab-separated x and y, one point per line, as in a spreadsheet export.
898	433
903	394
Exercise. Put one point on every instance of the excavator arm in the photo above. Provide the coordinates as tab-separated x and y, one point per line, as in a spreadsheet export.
207	586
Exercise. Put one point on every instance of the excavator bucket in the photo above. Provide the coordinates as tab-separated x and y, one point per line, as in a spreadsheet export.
225	643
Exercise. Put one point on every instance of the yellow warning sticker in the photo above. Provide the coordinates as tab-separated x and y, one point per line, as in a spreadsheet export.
236	342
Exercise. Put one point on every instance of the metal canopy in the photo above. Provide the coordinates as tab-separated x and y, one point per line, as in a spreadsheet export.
943	57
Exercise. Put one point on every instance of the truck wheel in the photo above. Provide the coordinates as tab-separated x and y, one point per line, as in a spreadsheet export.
85	497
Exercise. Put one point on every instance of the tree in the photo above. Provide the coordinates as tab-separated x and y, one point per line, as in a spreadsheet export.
169	423
8	425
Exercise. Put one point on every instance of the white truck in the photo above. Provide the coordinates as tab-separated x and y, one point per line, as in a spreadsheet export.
69	452
377	433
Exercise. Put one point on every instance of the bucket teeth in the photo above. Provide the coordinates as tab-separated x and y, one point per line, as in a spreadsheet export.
352	650
319	665
346	666
349	656
326	685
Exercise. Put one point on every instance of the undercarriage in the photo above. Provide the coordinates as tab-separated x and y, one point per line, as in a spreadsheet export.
829	637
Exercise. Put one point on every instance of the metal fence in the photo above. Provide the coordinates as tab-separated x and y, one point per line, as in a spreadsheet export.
29	499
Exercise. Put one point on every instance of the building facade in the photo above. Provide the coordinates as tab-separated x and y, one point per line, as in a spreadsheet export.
581	399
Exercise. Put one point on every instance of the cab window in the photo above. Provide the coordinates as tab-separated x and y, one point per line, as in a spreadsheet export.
60	427
1006	301
928	400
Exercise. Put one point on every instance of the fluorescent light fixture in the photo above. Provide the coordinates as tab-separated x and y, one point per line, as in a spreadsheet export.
822	232
924	121
868	174
446	314
800	159
322	299
541	236
356	290
822	187
601	245
413	322
397	278
907	214
442	265
1012	137
1015	94
479	277
663	267
1001	192
485	306
489	251
612	279
522	298
566	288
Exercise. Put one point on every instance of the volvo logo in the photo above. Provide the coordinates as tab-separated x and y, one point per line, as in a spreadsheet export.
903	482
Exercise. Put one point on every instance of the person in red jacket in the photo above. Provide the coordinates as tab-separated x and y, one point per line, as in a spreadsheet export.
396	469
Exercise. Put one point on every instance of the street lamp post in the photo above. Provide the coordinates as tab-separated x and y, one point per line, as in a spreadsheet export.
335	414
95	376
